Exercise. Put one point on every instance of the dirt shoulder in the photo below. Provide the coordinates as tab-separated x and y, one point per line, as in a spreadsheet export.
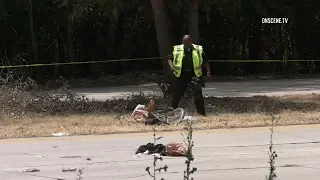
110	124
88	118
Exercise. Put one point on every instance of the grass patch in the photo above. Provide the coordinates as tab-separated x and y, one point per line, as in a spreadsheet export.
110	124
33	113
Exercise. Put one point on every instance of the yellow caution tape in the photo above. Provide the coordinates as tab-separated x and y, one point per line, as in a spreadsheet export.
78	62
141	59
259	60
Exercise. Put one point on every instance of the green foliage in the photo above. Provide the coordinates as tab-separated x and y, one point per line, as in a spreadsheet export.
189	171
272	153
153	174
229	29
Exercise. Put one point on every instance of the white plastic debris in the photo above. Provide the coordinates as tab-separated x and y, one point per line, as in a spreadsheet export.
69	169
157	155
41	156
61	134
31	170
139	106
189	118
138	155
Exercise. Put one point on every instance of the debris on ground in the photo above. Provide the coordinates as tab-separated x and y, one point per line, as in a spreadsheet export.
41	156
157	155
141	112
151	106
189	118
69	169
71	157
158	138
150	148
61	134
153	121
176	149
171	149
138	155
31	170
88	159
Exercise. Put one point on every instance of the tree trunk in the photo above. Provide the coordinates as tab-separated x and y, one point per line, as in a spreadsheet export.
193	20
56	59
113	22
163	38
71	50
1	7
254	46
34	43
113	25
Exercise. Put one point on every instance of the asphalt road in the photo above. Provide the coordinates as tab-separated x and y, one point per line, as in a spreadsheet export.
218	89
219	154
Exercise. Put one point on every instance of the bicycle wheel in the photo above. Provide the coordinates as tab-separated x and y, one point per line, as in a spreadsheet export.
175	116
160	115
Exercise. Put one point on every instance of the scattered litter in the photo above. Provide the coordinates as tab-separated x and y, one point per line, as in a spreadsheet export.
176	149
41	156
157	155
138	155
60	134
69	169
31	170
54	146
189	118
159	138
141	112
171	149
71	157
150	148
88	159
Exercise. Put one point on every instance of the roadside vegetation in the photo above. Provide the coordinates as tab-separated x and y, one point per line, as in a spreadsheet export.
29	111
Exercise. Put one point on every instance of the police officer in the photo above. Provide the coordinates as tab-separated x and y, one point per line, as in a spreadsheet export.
186	63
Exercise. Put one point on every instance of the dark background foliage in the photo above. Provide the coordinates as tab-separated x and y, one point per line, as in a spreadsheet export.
49	31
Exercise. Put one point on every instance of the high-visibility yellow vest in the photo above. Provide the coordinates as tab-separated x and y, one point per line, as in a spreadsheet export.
178	54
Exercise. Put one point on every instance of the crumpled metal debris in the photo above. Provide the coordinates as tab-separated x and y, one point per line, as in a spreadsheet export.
71	157
69	169
31	170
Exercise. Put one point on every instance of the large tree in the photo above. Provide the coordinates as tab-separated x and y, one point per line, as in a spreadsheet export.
1	7
34	42
71	50
163	37
193	20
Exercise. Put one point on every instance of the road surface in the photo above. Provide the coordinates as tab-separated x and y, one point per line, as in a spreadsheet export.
218	89
219	155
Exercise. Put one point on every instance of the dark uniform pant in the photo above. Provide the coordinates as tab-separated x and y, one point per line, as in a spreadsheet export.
188	80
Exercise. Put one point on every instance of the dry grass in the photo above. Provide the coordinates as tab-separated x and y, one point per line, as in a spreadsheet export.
36	113
104	124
